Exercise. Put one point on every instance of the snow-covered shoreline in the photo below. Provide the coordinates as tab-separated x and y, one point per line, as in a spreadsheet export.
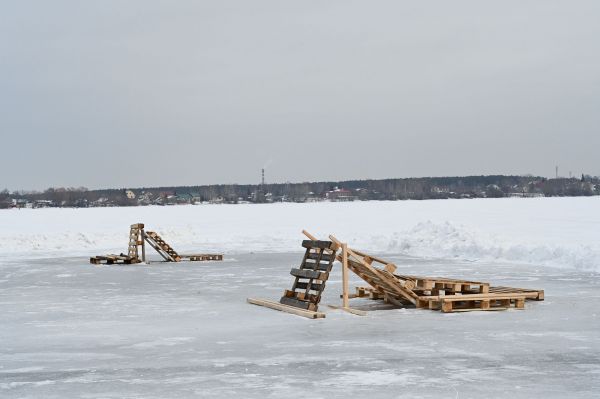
559	232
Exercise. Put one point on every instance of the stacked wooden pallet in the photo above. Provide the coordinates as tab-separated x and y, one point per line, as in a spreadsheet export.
112	259
435	293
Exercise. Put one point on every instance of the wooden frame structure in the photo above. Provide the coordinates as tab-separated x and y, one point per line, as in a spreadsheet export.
136	251
435	293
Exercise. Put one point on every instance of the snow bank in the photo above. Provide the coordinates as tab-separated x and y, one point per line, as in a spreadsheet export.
562	232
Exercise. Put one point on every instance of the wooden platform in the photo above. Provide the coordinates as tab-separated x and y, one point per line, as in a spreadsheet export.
112	260
201	257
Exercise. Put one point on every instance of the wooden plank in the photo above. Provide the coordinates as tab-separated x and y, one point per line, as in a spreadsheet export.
310	236
316	244
325	267
313	286
349	310
297	303
481	297
310	274
285	308
325	257
302	296
345	275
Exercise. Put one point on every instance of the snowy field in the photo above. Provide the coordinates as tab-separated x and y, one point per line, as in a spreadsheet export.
72	330
561	232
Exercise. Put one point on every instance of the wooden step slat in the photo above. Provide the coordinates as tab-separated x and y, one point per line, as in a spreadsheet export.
324	257
310	274
317	244
297	303
325	267
313	286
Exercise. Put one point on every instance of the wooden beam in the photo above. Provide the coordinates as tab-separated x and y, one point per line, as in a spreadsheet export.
286	308
310	236
345	275
143	234
349	310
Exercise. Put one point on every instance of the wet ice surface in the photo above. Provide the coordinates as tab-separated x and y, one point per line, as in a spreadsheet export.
70	329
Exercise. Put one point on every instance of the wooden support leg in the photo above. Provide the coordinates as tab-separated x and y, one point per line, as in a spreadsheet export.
520	303
485	305
143	241
421	303
446	306
345	275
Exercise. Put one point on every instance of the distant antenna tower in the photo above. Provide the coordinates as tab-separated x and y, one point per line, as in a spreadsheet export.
263	177
557	171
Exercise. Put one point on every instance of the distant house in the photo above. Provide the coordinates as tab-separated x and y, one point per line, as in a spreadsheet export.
129	194
21	203
43	204
184	198
340	195
196	198
145	198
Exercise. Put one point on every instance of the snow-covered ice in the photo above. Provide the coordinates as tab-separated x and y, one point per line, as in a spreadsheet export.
69	329
562	232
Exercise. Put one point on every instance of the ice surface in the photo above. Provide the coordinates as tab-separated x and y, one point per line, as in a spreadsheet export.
72	330
561	232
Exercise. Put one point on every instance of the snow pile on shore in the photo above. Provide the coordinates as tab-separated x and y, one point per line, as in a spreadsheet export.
563	232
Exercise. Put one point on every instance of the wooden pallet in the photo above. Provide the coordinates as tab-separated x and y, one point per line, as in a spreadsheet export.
112	259
435	293
202	257
309	281
311	276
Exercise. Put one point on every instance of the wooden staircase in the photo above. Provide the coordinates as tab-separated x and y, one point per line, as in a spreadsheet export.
164	249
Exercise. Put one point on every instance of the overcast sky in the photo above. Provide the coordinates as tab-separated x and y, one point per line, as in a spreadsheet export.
148	93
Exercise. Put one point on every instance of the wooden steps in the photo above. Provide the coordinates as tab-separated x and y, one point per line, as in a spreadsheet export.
136	250
160	246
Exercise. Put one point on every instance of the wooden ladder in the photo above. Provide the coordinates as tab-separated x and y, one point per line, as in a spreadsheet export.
310	278
164	249
136	234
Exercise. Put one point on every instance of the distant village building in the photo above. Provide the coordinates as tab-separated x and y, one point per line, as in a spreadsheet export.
129	194
339	195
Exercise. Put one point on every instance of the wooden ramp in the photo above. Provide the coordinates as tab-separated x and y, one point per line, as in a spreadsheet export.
165	250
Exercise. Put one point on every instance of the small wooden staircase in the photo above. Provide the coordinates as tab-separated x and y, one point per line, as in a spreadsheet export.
164	249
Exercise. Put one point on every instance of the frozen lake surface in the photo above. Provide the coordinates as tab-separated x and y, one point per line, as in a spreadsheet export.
69	329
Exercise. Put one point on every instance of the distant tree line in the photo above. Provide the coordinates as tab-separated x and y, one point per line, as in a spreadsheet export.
494	186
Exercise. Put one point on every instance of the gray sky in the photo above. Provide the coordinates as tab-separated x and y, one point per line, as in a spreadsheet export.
148	93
